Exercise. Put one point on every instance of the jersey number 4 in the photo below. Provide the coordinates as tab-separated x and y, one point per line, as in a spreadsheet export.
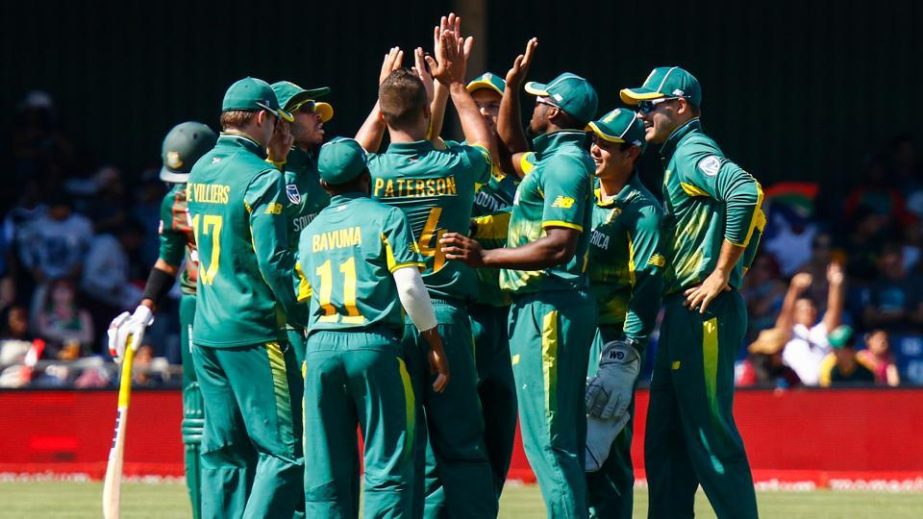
331	315
430	231
211	226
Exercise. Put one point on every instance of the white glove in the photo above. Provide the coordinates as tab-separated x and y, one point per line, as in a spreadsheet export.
608	394
125	326
600	434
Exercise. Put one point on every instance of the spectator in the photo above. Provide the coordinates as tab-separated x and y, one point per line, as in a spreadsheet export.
15	339
893	301
843	366
106	205
38	149
107	281
878	358
58	242
790	238
875	193
808	346
764	292
822	254
869	233
766	362
62	323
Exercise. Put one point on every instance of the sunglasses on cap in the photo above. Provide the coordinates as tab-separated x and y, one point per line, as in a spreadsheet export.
306	107
646	107
545	101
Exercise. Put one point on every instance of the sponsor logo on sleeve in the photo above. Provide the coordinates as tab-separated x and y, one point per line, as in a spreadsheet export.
563	202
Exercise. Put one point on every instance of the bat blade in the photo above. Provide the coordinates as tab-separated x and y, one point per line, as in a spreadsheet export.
113	482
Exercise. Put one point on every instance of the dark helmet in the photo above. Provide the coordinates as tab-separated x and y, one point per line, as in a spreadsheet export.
182	147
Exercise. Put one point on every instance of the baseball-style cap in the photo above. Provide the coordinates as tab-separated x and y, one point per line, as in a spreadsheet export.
182	147
840	337
250	94
292	96
620	125
665	82
341	160
488	81
572	93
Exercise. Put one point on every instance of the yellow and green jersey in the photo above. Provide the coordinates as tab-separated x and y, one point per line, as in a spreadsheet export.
708	199
556	192
305	195
346	258
434	188
626	260
177	242
236	206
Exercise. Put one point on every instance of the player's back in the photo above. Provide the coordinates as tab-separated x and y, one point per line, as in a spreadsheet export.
435	190
236	306
346	257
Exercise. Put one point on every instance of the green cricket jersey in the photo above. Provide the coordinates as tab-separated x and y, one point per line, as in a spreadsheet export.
556	192
708	199
626	259
176	238
305	195
236	204
345	260
435	190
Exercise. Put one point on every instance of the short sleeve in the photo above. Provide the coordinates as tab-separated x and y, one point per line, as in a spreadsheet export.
478	159
399	246
566	188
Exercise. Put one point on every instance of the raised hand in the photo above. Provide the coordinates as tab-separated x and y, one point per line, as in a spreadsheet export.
420	69
450	62
392	61
520	68
280	143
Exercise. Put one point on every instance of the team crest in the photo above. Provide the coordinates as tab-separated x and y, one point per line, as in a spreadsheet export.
293	195
173	160
710	165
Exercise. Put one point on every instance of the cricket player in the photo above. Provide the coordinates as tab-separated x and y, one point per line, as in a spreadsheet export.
302	186
490	311
182	147
252	463
626	265
552	317
359	265
712	227
435	190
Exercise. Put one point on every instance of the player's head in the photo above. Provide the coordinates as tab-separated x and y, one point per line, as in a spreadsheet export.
567	102
843	341
487	91
805	312
250	107
343	167
669	97
310	114
402	100
184	144
877	342
618	141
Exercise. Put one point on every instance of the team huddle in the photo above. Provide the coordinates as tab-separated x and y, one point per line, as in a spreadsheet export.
430	293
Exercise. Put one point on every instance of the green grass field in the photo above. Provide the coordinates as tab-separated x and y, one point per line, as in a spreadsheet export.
168	500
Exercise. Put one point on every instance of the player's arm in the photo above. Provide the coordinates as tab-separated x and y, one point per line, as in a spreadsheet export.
509	119
799	283
742	198
404	263
372	131
264	199
648	266
836	296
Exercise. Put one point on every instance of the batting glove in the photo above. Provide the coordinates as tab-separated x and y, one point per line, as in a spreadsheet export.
608	394
125	326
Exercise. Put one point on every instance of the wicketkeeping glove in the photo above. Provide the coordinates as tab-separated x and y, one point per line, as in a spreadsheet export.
125	325
600	435
608	394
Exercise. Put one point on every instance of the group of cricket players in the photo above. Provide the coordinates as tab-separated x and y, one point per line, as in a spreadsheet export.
427	294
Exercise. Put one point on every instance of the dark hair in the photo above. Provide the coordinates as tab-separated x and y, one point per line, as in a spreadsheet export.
694	108
567	121
236	119
401	98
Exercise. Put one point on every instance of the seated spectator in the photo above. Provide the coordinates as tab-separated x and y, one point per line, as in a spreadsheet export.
808	346
106	277
843	366
893	301
766	363
64	325
58	242
877	356
764	291
15	340
876	193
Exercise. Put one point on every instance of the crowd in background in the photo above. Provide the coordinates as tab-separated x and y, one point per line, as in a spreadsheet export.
837	280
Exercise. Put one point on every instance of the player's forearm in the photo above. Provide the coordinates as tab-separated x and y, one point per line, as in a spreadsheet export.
742	199
544	253
372	131
509	123
836	299
728	257
437	109
644	305
472	122
159	283
414	297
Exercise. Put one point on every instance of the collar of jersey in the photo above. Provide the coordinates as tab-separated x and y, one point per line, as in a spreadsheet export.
624	195
410	148
548	142
237	140
672	142
342	198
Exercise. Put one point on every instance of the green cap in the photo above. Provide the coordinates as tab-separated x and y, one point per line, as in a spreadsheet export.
488	81
571	93
251	94
840	337
292	96
182	147
665	82
620	125
341	160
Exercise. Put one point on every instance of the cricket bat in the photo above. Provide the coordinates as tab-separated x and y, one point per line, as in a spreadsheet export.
113	482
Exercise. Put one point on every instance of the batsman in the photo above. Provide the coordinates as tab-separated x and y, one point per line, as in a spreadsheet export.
182	147
712	228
